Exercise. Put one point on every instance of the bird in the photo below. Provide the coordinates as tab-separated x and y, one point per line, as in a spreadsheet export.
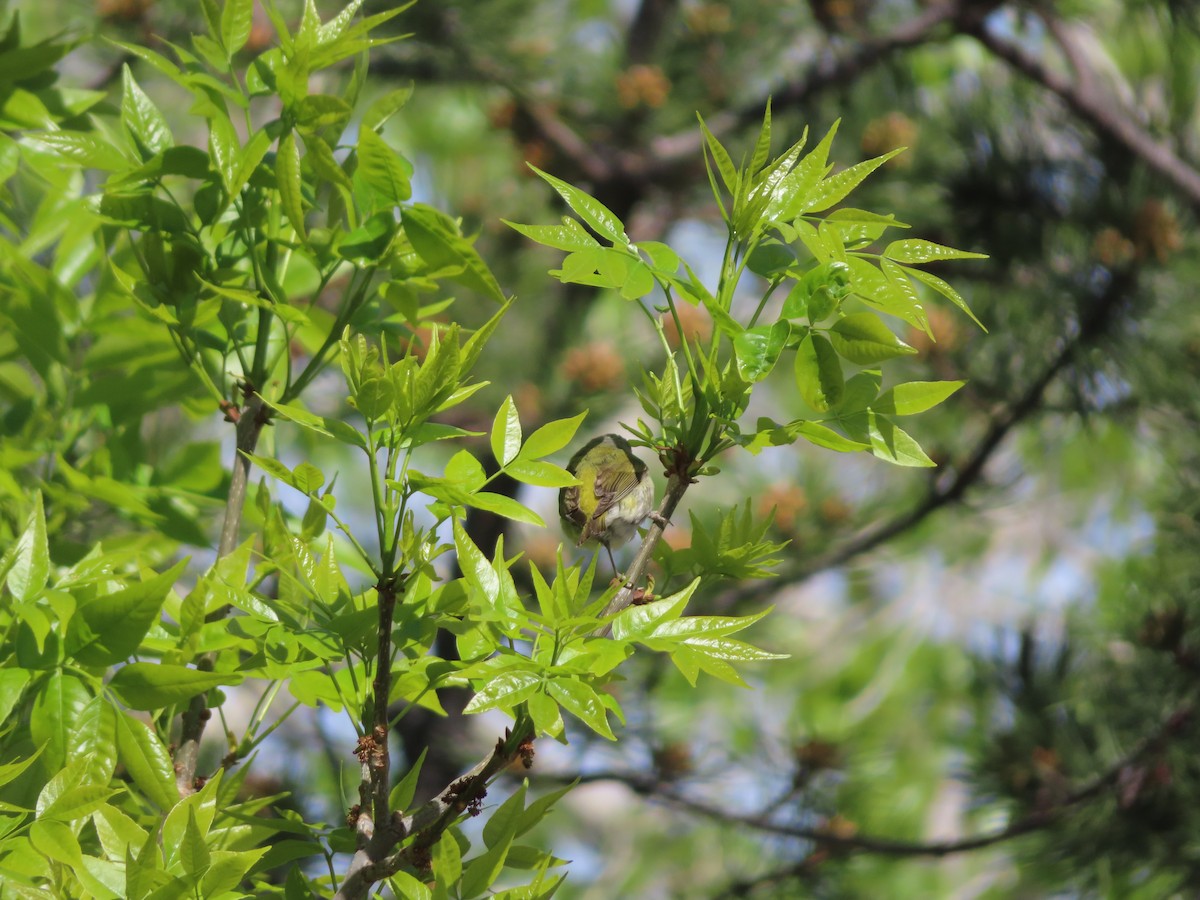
615	493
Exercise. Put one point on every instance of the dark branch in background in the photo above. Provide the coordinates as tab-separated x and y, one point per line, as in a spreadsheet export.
645	31
665	154
1101	111
1172	726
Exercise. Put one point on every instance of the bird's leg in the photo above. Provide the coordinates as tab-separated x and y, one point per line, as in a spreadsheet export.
658	520
616	574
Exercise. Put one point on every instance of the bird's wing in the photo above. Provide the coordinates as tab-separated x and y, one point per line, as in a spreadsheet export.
611	489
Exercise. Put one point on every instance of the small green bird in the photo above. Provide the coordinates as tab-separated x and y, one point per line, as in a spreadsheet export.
615	493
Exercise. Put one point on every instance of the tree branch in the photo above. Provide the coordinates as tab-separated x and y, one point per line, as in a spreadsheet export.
1103	112
665	154
251	420
649	786
376	861
677	486
645	30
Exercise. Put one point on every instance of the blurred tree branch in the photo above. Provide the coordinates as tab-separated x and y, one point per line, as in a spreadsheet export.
1102	112
845	840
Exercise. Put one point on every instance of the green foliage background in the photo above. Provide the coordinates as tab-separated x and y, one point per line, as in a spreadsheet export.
1002	647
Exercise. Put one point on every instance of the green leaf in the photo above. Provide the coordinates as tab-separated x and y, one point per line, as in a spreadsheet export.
730	649
861	391
725	167
272	466
85	149
439	374
447	861
504	691
386	106
193	852
640	620
320	156
824	288
914	397
203	805
92	737
537	810
370	240
385	170
12	685
147	761
482	872
250	158
402	794
10	771
551	438
821	436
56	706
437	239
28	562
945	289
408	887
915	251
818	373
108	628
594	214
227	869
73	803
499	504
502	826
484	581
506	433
582	702
317	111
662	257
324	425
287	180
476	342
148	686
758	349
236	19
544	712
25	63
56	840
835	188
540	474
762	146
894	444
142	119
569	236
863	339
375	398
307	478
639	282
224	149
771	259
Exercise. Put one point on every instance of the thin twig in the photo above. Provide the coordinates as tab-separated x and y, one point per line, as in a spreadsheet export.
677	486
250	423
